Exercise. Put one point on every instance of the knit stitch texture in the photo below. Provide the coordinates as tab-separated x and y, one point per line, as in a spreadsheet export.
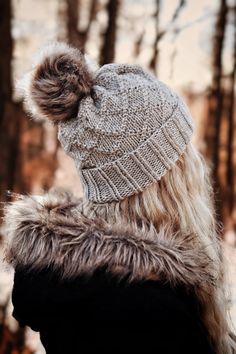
128	133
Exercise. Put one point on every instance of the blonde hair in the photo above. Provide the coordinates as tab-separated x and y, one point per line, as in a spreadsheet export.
181	201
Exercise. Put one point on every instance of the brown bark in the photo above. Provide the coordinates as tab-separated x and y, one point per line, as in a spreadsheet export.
231	127
217	91
154	59
7	125
38	163
72	22
14	125
10	113
107	54
216	100
76	36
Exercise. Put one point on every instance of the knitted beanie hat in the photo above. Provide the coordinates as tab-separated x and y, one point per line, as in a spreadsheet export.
122	126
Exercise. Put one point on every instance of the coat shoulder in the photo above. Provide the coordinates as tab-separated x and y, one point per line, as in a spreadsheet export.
164	317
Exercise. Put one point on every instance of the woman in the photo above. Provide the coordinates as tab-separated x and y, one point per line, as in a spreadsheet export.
134	266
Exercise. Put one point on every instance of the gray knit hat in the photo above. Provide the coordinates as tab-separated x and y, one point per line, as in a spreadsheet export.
122	126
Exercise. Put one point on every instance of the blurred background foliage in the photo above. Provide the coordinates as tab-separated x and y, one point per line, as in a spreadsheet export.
191	45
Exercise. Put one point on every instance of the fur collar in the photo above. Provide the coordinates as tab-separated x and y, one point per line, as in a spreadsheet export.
49	231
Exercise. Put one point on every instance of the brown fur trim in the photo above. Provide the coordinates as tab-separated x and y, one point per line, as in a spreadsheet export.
58	82
49	230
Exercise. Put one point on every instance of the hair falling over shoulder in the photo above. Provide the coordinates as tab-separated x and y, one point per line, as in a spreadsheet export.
181	203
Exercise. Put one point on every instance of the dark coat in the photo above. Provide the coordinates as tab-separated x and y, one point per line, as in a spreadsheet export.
89	287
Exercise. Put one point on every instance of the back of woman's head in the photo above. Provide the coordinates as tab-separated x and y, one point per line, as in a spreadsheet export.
130	137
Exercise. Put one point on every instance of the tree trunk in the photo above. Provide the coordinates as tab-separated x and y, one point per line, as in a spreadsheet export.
230	115
107	54
11	114
8	125
69	15
153	64
215	103
72	21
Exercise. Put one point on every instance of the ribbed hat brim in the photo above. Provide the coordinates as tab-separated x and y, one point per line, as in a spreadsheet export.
148	163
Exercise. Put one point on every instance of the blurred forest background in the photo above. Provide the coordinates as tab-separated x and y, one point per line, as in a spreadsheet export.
190	45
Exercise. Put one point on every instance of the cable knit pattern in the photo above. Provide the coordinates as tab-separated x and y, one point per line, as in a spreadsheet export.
127	134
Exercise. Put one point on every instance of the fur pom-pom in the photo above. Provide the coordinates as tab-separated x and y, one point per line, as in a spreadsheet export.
60	77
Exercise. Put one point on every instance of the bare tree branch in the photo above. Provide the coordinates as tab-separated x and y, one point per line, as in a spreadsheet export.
182	3
138	43
161	33
75	36
177	30
154	59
